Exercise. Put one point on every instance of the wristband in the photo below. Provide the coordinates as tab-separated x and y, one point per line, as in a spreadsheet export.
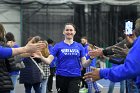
91	58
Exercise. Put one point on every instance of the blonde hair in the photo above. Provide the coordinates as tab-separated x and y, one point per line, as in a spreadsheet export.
45	51
92	46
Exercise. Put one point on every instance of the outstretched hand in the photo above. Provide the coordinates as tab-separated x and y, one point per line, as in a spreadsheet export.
95	75
121	51
33	47
96	52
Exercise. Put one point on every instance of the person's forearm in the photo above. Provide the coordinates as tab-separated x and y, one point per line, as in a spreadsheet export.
17	51
129	69
110	50
47	60
104	73
86	63
117	74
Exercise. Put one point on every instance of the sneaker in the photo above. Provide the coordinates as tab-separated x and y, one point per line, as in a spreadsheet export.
83	90
50	90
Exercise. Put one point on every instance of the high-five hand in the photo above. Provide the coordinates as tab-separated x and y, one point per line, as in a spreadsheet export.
96	52
33	47
95	75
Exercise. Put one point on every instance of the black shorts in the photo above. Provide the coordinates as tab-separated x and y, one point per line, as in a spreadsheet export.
67	84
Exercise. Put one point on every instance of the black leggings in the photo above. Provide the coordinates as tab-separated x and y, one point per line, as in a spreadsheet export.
67	84
50	79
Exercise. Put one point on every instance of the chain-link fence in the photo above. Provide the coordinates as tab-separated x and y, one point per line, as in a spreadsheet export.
101	23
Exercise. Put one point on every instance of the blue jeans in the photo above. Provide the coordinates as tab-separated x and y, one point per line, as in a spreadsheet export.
111	87
14	80
44	86
131	86
28	87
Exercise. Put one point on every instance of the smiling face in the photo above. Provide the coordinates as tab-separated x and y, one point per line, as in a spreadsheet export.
69	31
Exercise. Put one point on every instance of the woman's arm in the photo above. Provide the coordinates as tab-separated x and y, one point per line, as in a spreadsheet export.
29	48
47	60
85	62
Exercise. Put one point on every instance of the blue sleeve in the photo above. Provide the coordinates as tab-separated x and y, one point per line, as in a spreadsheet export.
5	52
54	50
50	48
82	51
93	63
130	68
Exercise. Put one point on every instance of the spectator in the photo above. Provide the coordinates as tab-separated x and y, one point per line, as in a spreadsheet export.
84	42
31	76
10	39
46	69
52	66
8	52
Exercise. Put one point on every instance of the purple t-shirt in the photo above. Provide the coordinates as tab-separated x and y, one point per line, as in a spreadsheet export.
69	58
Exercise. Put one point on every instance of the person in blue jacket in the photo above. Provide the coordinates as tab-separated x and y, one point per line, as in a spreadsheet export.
130	68
70	55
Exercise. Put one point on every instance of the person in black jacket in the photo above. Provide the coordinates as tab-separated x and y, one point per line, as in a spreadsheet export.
5	80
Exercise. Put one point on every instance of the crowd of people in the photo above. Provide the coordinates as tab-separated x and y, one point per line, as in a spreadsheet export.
72	63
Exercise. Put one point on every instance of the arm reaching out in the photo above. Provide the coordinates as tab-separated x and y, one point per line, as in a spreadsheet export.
29	48
95	75
47	60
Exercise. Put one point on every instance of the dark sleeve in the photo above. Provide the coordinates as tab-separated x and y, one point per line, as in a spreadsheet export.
120	44
130	68
116	62
108	52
